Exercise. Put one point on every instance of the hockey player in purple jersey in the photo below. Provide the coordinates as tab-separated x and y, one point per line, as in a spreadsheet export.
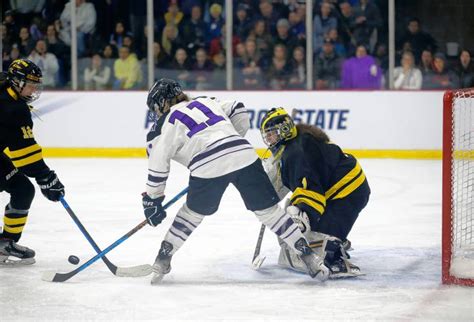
207	136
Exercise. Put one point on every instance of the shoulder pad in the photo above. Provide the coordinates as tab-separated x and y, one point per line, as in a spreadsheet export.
155	130
209	97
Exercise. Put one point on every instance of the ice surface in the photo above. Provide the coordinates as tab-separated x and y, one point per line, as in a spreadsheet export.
396	243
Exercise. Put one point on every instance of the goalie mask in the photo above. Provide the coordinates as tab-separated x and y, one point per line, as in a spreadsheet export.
161	95
26	79
277	127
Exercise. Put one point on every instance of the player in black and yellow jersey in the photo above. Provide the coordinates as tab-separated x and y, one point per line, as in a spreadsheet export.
329	188
21	157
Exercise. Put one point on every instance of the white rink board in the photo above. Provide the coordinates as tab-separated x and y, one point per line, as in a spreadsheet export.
355	120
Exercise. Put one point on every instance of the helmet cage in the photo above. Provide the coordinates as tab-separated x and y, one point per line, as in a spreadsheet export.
278	129
22	72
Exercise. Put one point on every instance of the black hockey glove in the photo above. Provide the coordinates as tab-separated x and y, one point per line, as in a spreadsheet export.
154	211
50	186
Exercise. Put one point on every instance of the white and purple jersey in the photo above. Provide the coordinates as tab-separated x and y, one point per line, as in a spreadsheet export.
205	135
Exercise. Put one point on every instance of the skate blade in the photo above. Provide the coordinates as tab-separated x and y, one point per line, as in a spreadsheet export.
257	262
346	275
157	278
17	262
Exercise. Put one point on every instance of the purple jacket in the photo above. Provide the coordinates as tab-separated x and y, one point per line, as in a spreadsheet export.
356	73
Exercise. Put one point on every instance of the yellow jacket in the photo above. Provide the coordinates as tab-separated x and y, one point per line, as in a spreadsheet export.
128	70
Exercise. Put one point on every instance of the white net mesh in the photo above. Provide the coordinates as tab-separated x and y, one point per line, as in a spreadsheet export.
462	263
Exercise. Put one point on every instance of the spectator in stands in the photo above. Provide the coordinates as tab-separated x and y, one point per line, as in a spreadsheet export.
160	58
297	26
11	29
174	15
35	31
194	30
62	52
426	63
269	16
126	70
8	58
55	45
218	45
278	73
26	10
407	76
109	52
242	23
216	22
63	34
368	19
97	76
361	71
465	69
25	42
418	39
381	56
86	17
298	69
347	25
322	23
240	55
116	38
284	36
339	47
219	80
327	68
170	40
262	39
181	66
129	42
250	76
47	62
201	71
441	77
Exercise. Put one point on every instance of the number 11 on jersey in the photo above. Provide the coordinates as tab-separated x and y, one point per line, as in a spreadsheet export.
191	124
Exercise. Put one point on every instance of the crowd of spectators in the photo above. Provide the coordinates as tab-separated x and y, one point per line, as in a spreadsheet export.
268	45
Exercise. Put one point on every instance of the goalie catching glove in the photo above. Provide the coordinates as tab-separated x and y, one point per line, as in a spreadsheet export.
50	186
153	209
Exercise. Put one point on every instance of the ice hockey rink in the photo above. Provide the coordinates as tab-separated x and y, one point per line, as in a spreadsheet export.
396	241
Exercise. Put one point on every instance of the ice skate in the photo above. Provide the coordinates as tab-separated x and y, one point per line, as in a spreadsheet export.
337	259
13	254
343	268
162	265
314	263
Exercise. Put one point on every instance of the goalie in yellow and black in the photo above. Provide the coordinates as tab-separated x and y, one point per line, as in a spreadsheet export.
329	188
21	85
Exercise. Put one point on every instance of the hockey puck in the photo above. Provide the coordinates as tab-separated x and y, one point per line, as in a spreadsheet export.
73	260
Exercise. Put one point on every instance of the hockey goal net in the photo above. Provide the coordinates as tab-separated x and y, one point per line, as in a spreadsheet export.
458	187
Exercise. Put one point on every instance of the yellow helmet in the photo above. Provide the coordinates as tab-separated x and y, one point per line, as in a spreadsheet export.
277	127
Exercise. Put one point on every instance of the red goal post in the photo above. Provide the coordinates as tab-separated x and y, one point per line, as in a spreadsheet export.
458	188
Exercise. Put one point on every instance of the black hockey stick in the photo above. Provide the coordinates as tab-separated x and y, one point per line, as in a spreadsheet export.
257	260
61	277
134	271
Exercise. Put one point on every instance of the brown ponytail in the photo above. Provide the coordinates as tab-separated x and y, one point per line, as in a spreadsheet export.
316	132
